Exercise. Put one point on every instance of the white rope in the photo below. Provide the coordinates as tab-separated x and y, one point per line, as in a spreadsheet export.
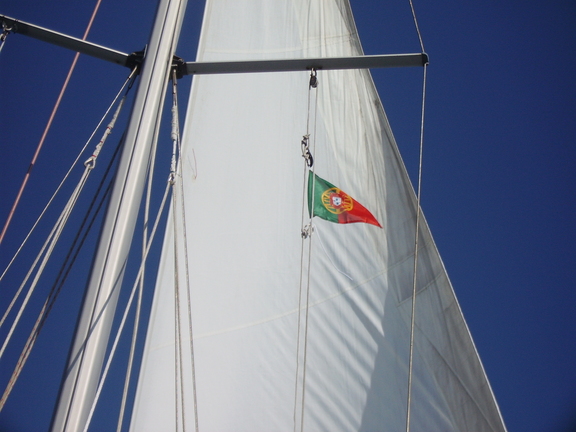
176	135
308	276
54	235
414	281
49	246
72	166
59	282
175	166
306	234
126	311
30	271
151	164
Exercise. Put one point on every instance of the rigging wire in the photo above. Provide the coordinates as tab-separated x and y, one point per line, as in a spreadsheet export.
56	231
53	237
306	233
416	246
314	85
417	234
61	278
178	364
48	247
63	273
48	125
150	169
129	82
174	165
417	26
127	309
179	169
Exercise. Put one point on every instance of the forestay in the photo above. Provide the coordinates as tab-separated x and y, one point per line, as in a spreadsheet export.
243	177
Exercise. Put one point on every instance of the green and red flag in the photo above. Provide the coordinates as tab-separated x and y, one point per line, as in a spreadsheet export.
335	205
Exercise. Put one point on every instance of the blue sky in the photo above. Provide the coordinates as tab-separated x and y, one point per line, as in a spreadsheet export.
499	182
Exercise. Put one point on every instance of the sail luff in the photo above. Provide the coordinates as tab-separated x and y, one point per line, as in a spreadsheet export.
87	352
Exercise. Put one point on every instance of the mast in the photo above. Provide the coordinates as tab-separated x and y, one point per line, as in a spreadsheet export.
86	356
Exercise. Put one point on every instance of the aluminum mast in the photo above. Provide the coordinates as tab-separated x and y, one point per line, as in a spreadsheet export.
86	356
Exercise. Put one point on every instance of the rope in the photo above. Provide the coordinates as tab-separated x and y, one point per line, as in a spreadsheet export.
313	84
306	233
414	281
54	235
60	279
49	246
48	125
151	163
126	310
178	366
176	311
130	81
176	135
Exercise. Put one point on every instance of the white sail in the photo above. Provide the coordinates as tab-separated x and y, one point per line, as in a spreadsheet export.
243	178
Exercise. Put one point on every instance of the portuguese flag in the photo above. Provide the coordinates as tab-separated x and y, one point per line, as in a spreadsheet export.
335	205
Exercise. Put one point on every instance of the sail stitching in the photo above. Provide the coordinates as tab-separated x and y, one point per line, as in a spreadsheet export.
313	304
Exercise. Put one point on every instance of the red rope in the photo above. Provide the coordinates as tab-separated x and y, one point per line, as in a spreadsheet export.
48	125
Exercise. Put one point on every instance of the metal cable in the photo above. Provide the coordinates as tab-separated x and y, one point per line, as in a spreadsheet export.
151	164
130	81
417	27
307	306
179	172
54	235
416	239
64	270
57	286
305	233
303	216
178	376
126	310
49	246
178	367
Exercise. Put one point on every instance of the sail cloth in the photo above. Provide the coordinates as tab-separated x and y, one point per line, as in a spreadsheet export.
333	204
244	183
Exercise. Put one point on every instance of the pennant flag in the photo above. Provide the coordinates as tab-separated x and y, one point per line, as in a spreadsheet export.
335	205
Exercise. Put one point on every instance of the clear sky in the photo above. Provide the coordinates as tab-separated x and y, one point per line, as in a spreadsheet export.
499	181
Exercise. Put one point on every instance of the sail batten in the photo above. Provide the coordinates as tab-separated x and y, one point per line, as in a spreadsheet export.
244	182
